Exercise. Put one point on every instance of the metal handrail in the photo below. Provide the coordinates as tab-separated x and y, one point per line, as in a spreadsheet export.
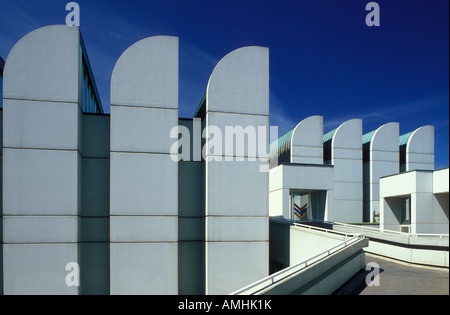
365	228
317	228
287	272
327	231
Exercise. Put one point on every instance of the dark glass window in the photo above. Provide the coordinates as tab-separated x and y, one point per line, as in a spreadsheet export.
406	210
89	99
1	91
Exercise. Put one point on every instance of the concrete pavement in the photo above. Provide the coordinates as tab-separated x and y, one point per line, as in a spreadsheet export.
397	278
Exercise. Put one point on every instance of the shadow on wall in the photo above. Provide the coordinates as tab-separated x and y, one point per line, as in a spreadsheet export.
442	199
279	247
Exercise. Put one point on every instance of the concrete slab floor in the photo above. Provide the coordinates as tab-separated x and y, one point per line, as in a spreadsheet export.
398	278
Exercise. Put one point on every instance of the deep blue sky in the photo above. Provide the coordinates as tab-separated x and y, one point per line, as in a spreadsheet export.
324	59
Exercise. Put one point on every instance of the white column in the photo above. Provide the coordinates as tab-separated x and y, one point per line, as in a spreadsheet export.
420	150
144	177
384	161
237	249
41	161
348	177
307	141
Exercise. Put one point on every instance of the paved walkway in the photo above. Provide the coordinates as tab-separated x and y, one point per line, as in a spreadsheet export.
397	278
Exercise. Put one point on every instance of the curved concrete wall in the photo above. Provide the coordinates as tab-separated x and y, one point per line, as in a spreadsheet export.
348	178
307	141
42	161
237	249
384	160
144	177
420	150
43	65
240	83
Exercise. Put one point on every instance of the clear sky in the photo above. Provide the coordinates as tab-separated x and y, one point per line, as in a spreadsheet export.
324	59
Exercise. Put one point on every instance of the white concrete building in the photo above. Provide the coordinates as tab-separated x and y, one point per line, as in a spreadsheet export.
380	158
417	150
237	225
144	177
415	202
107	192
301	186
343	150
133	211
337	178
2	65
47	84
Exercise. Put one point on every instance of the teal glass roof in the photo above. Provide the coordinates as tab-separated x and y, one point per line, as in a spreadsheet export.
405	138
329	136
283	145
96	104
2	65
201	109
368	137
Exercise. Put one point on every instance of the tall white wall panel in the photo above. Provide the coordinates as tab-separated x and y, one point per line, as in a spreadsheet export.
236	191
348	179
144	177
307	141
420	150
384	160
42	162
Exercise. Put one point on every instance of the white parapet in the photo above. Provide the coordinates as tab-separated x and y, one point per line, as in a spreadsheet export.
440	181
236	186
144	177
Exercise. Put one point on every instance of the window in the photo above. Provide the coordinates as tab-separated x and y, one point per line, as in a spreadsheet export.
90	103
1	91
406	211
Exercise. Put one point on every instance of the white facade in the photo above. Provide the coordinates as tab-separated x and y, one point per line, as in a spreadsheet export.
42	161
107	192
356	168
101	191
418	151
415	202
346	157
307	141
144	177
315	180
381	158
237	223
304	177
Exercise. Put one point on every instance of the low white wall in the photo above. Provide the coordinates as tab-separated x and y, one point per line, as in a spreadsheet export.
330	263
429	250
324	277
291	245
419	256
